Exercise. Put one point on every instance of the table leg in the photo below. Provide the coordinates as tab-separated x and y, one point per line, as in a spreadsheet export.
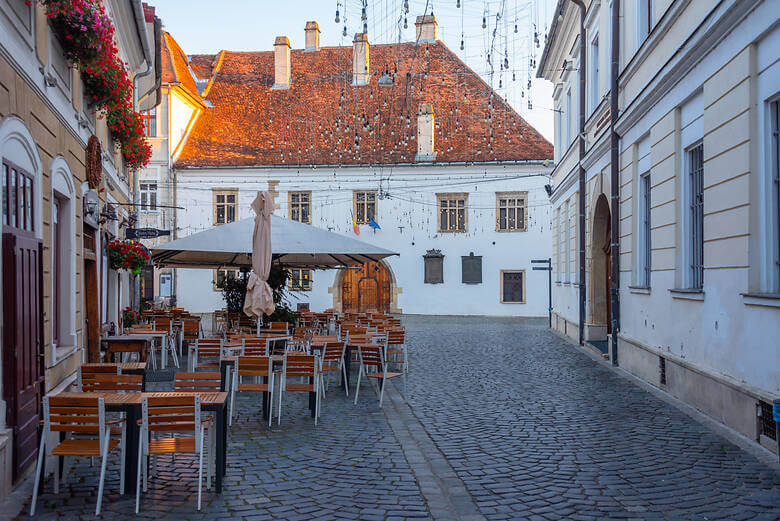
347	362
266	400
163	354
221	446
131	449
312	400
223	369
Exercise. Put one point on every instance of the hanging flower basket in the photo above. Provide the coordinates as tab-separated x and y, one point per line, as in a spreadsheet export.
86	34
127	255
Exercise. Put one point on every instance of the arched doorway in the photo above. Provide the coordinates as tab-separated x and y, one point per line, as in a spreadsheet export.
366	287
600	267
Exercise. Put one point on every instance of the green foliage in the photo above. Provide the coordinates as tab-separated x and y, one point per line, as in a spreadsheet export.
234	293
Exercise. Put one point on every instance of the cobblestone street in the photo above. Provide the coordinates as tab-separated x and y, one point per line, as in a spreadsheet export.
506	421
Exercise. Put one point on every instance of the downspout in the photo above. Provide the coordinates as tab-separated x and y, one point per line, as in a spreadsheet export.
140	24
581	197
614	140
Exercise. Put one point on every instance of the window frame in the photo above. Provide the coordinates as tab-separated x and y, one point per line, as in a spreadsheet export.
216	192
149	118
366	218
593	76
24	192
774	180
644	230
643	21
501	284
450	197
215	277
567	243
298	204
524	207
147	207
296	275
694	230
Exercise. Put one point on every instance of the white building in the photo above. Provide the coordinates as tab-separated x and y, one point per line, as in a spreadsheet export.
404	135
699	285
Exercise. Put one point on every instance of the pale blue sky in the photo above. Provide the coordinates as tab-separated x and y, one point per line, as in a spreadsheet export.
202	26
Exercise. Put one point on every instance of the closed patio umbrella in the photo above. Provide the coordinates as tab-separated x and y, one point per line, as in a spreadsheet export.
259	298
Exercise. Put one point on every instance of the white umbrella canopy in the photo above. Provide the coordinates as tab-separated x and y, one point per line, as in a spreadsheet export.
293	244
259	298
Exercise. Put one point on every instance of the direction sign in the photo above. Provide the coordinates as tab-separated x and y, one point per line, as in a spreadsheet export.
146	233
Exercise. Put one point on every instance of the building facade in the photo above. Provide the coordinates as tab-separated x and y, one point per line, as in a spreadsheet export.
402	144
699	278
59	293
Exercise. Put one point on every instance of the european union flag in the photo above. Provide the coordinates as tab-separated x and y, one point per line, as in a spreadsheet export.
372	223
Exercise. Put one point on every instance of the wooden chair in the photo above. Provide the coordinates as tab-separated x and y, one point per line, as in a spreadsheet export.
278	345
190	331
165	323
161	414
333	361
197	381
205	354
302	366
395	351
84	416
104	382
87	373
373	365
279	326
254	346
252	367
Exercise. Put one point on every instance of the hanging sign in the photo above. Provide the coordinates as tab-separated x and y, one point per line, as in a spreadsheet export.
146	233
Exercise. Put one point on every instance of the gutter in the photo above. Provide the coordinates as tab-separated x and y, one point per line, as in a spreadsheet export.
543	162
550	38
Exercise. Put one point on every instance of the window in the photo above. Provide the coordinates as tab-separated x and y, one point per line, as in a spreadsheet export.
471	269
567	243
510	211
166	281
223	274
365	206
560	148
434	267
559	244
299	206
59	66
568	118
452	212
593	76
149	118
695	160
148	197
17	198
644	20
225	206
775	172
57	268
512	287
644	249
300	280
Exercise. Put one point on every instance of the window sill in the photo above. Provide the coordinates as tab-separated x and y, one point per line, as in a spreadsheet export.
770	300
640	290
61	353
511	231
687	293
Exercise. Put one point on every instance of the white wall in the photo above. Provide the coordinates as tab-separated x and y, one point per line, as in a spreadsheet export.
409	226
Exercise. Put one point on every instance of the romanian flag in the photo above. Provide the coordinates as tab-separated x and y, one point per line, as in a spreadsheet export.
355	227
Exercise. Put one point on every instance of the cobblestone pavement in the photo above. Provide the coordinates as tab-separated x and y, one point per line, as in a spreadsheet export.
505	419
536	429
349	467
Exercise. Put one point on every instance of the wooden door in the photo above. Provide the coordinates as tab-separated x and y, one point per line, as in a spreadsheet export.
366	287
23	367
607	249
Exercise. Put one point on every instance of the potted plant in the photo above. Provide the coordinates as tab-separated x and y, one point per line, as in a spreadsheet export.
130	317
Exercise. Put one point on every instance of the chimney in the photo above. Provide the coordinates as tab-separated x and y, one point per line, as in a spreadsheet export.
425	29
360	60
312	36
425	120
281	63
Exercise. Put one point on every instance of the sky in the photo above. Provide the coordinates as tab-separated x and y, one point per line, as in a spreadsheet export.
206	27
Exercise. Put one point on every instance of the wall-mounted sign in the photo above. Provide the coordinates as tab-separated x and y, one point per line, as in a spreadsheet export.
146	233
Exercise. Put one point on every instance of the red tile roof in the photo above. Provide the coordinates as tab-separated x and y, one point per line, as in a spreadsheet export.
203	65
175	66
323	119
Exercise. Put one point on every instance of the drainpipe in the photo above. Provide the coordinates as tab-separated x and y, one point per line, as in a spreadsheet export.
581	197
614	140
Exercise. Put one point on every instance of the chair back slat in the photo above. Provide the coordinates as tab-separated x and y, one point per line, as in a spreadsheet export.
203	381
333	351
371	354
170	412
112	382
253	366
85	414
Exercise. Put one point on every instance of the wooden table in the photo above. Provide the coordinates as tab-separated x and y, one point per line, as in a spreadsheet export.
130	404
127	344
154	335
